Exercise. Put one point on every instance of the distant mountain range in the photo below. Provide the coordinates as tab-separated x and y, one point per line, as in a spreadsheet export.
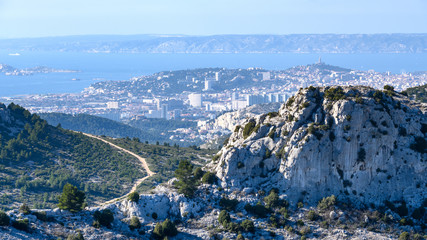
296	43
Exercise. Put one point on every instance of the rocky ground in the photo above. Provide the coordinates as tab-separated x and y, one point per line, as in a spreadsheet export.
197	218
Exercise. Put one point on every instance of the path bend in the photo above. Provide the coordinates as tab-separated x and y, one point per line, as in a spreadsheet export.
141	159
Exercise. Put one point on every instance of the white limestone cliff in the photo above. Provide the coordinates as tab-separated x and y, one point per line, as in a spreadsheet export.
360	146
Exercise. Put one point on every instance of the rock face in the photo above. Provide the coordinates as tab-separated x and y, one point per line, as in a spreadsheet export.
231	119
362	144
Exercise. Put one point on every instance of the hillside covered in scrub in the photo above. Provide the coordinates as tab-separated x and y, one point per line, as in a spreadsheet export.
38	159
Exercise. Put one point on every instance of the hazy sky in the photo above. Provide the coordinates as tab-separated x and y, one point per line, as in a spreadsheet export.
35	18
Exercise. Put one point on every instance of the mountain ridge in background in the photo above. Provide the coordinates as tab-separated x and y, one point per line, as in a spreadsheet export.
293	43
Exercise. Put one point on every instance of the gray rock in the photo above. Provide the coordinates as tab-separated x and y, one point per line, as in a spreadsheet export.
332	147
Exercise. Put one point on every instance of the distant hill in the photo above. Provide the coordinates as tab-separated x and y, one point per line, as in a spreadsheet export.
38	159
295	43
151	130
98	126
417	93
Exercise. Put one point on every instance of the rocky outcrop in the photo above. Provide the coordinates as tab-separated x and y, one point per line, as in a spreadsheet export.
230	119
362	144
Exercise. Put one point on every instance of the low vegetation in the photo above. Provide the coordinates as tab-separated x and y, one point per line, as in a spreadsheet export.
165	229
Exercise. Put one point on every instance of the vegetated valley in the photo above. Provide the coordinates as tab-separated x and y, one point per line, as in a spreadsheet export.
38	159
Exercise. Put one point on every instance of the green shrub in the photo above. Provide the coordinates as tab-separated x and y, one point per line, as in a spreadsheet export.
169	228
305	230
312	215
4	219
165	229
78	236
96	224
158	231
186	182
232	227
134	197
300	205
388	88
273	114
378	96
24	209
198	173
209	178
104	217
248	226
334	94
134	223
21	224
42	216
216	157
228	204
327	202
224	218
240	237
284	212
248	129
72	199
290	101
305	105
404	236
258	210
267	153
272	200
281	153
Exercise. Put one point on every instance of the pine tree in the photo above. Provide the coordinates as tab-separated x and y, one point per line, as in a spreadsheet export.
186	181
72	199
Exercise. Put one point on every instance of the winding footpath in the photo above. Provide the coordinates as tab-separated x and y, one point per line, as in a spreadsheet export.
141	159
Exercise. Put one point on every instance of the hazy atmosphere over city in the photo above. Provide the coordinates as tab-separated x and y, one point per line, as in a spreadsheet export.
194	119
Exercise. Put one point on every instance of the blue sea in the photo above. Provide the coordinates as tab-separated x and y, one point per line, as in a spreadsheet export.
94	67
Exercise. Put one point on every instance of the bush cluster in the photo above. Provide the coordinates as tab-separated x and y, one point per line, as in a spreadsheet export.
134	197
165	229
258	210
21	224
334	94
327	202
249	129
134	223
228	204
4	219
104	217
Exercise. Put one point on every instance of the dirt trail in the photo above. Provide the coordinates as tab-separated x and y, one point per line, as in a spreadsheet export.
141	159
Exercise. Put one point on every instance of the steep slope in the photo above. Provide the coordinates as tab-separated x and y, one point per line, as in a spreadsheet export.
362	144
37	160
